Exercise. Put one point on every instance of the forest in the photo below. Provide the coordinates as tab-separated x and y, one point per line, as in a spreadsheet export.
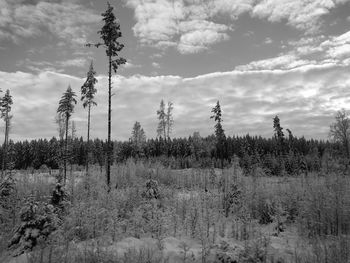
297	155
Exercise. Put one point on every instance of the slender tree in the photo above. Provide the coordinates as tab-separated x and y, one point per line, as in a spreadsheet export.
88	92
5	109
219	132
162	117
66	108
169	119
110	33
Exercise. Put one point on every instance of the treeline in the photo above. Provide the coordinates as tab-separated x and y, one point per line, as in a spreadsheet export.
253	154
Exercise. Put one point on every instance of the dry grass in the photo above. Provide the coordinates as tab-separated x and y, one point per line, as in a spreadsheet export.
208	206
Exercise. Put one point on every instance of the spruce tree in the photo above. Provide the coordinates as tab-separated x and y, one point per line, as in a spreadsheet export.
219	132
66	108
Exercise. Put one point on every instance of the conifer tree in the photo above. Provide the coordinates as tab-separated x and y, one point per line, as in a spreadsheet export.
138	138
66	108
219	132
88	92
110	33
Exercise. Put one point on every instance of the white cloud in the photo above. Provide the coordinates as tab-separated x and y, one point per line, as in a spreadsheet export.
319	51
57	66
288	61
268	41
67	21
169	23
130	65
303	15
304	97
155	65
164	24
75	62
339	51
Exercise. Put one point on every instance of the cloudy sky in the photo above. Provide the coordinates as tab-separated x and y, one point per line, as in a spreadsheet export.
259	58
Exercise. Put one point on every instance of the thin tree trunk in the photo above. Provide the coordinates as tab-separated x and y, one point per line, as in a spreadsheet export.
65	152
347	154
164	130
109	147
168	130
4	158
88	143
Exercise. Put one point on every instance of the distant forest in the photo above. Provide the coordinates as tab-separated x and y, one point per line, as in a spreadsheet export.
253	154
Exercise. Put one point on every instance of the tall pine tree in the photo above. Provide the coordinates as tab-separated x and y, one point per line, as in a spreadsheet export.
88	92
110	33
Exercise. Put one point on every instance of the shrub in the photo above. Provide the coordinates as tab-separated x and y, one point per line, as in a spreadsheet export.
38	222
266	212
152	191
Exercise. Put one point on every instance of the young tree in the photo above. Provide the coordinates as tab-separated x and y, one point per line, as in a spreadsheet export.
340	131
66	108
110	33
87	96
219	132
169	119
162	117
5	109
138	138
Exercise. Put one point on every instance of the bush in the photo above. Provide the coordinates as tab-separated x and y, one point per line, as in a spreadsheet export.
266	212
152	191
38	221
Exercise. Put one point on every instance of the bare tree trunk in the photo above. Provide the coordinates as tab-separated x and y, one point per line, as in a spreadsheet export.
65	152
4	158
109	146
164	130
88	142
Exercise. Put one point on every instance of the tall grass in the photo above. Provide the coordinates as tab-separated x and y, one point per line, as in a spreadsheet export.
206	205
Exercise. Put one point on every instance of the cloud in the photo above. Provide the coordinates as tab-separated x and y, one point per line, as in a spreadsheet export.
307	52
305	98
56	66
75	62
288	61
198	35
174	23
67	21
182	25
302	15
129	65
155	65
268	41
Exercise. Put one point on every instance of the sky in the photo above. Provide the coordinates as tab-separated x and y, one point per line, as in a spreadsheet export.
259	58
